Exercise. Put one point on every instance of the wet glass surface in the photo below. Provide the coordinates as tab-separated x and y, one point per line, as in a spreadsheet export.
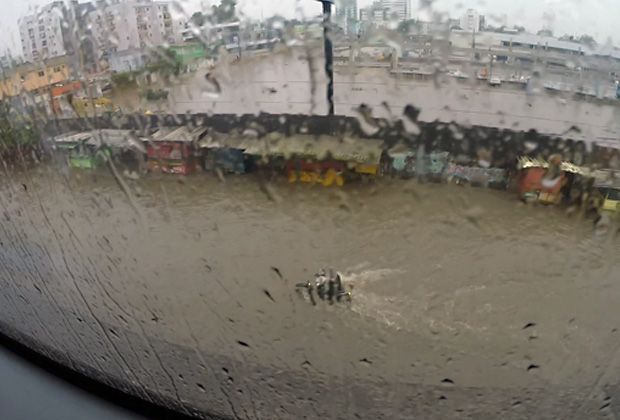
183	219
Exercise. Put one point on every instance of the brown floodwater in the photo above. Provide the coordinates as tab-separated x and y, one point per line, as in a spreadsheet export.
457	284
292	81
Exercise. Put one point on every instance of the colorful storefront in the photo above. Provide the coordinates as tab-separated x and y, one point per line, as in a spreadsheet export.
225	153
324	160
609	196
326	172
402	163
88	156
92	149
80	150
543	181
407	163
476	175
173	150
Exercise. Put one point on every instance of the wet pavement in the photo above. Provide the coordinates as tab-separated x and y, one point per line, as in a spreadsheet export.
183	290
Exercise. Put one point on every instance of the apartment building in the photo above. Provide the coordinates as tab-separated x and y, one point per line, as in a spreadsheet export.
42	33
121	25
396	10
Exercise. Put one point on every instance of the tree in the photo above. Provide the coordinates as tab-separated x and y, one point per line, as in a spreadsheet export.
566	37
15	133
545	32
406	26
403	27
587	40
165	63
124	79
224	12
198	19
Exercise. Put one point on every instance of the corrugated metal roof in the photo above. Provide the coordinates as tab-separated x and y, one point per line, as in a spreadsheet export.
74	137
607	51
110	137
543	41
116	138
527	162
229	141
529	39
180	134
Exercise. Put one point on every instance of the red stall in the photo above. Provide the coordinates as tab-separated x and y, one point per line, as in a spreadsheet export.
173	150
543	181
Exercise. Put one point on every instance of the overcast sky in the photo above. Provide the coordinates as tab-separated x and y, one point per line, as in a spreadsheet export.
598	18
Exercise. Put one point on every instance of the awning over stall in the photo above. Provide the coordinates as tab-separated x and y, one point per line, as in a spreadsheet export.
226	141
177	134
527	162
71	139
116	139
366	151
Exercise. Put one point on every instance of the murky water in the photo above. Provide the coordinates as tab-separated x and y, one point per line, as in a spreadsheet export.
152	280
292	81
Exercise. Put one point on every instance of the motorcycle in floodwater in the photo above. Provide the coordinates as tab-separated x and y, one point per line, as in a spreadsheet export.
328	286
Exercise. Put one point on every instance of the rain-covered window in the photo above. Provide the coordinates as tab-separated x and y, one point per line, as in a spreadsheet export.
316	209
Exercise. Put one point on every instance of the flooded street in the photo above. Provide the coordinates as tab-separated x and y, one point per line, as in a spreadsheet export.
456	284
385	210
292	81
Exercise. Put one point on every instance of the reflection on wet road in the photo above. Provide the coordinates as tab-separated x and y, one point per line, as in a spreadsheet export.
454	284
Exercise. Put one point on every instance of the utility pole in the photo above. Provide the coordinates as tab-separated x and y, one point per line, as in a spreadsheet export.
329	53
473	45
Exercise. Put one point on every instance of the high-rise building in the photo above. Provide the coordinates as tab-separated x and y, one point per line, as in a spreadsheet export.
470	21
396	9
57	29
121	25
6	62
82	35
43	34
346	15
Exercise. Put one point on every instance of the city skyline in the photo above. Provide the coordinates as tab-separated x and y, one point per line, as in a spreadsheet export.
573	17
